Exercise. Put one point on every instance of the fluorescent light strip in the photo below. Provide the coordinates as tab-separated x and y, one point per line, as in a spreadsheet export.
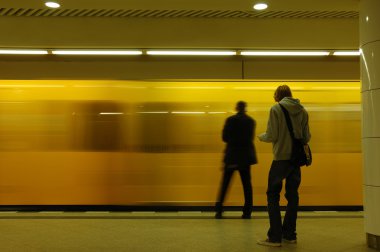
96	52
23	52
107	86
30	86
190	52
111	113
335	88
284	53
189	87
154	112
172	52
120	86
264	88
256	88
91	86
298	88
188	112
15	102
346	53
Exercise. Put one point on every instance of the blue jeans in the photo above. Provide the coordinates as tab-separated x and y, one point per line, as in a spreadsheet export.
280	170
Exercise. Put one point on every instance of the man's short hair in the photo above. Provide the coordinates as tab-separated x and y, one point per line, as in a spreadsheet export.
282	92
240	106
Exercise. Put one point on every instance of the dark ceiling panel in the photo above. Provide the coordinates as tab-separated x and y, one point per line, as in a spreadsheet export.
107	13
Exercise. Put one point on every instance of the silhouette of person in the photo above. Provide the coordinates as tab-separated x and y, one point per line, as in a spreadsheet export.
240	154
282	168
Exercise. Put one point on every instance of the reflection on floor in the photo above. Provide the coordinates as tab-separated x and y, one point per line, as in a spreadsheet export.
173	231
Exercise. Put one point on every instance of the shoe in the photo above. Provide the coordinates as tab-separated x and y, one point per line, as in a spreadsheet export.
218	215
269	243
246	216
290	241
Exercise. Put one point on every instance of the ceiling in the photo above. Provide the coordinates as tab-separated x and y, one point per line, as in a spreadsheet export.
242	5
183	8
330	24
178	24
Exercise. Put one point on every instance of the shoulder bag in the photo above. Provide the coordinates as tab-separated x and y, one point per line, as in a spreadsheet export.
301	153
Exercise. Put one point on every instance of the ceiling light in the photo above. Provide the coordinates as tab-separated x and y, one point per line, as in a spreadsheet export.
284	53
191	52
96	52
21	52
52	5
260	6
347	53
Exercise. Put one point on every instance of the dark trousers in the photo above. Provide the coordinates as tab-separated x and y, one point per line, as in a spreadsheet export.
245	175
280	170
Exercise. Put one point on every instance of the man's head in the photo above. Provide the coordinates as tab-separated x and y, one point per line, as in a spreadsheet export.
240	106
282	92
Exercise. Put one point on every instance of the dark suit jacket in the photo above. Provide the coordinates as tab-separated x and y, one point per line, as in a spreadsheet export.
238	133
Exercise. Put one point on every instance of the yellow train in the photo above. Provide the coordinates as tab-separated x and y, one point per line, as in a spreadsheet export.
159	142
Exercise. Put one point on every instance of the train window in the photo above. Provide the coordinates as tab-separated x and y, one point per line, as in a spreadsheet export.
177	127
97	126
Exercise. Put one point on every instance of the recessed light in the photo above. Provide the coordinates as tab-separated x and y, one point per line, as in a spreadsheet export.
52	5
260	6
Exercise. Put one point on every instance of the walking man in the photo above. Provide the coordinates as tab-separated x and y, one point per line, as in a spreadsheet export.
278	134
240	154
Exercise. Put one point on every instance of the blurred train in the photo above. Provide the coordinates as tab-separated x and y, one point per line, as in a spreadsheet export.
158	143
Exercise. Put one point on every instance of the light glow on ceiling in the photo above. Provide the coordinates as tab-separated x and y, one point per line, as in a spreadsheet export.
284	53
191	53
53	5
346	53
260	6
96	52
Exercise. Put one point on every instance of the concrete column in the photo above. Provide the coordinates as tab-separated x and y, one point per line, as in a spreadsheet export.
370	75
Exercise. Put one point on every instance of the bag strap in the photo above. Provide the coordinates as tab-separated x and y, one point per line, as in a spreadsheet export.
288	121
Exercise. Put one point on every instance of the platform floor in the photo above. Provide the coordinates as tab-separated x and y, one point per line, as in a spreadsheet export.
173	231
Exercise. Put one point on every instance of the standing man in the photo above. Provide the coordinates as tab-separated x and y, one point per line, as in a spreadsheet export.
278	134
240	154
